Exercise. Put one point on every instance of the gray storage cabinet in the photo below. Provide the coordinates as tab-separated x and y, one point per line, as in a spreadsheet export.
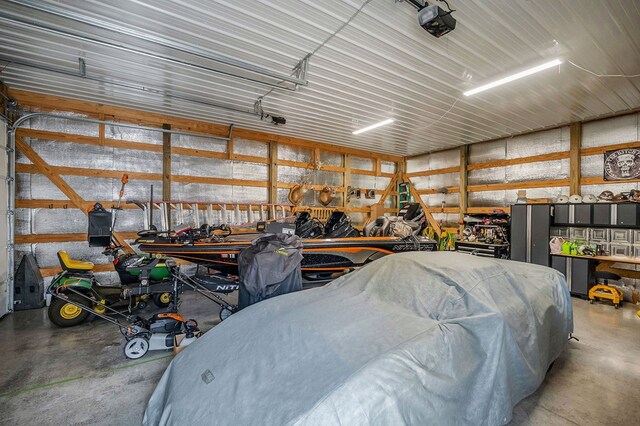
530	233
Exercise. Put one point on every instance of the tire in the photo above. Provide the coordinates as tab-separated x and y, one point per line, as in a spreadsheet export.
65	314
227	311
162	300
136	348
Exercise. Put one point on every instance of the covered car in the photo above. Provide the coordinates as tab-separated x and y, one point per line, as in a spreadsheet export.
413	338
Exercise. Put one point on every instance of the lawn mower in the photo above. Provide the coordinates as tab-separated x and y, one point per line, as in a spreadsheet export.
158	332
78	283
77	280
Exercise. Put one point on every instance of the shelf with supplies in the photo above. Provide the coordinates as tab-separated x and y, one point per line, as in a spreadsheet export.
485	235
604	229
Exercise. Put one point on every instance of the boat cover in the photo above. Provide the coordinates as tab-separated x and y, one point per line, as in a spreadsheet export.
269	267
414	338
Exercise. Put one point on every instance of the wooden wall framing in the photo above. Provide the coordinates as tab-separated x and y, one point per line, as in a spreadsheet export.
575	181
47	103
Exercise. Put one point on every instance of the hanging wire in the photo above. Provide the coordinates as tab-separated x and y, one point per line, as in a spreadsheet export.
448	7
442	116
321	45
603	75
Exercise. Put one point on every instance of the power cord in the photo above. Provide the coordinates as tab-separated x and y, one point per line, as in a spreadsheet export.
603	75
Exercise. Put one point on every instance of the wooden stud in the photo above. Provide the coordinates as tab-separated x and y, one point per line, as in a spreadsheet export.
304	165
88	140
602	149
230	149
599	180
416	196
61	238
454	169
101	130
116	174
392	185
464	195
401	170
575	137
472	210
445	210
518	185
432	191
166	168
346	179
289	185
50	172
65	204
522	160
370	173
273	172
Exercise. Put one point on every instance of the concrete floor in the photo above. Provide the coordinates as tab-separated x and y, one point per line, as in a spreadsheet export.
79	376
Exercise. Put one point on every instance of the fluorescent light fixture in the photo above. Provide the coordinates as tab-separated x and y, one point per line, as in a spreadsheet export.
513	77
374	126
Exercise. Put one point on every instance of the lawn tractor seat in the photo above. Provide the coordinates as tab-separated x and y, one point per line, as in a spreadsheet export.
378	227
71	265
605	291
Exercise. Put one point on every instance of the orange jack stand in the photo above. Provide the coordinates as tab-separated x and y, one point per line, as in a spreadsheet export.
602	291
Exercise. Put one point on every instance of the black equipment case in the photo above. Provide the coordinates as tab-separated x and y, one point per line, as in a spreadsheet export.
99	234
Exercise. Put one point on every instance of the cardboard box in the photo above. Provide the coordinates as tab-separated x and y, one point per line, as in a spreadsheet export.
177	342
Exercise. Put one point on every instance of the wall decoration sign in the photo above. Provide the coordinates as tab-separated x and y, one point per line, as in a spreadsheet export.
622	164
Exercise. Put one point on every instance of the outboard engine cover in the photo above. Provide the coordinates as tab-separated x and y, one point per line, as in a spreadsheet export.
308	227
339	226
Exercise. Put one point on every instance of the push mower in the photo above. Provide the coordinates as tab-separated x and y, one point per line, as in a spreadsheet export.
156	333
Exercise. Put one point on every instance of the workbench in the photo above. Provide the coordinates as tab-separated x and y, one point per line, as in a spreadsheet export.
579	269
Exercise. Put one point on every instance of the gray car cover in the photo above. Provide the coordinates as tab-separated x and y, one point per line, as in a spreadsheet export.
414	338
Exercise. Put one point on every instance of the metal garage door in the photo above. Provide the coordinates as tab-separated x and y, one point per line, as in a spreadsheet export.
3	219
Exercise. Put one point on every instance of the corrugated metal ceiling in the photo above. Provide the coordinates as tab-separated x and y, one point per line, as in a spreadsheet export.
380	65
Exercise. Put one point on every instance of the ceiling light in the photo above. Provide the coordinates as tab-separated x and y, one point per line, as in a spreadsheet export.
374	126
513	77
